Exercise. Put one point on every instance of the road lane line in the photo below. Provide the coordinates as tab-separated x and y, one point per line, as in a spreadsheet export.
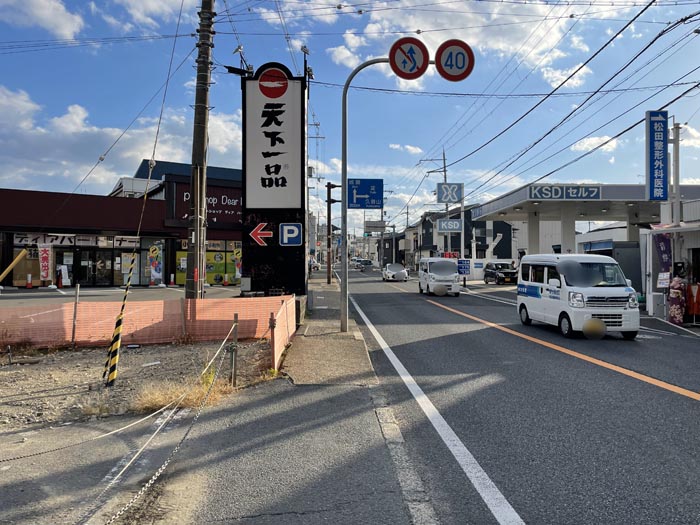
624	371
487	489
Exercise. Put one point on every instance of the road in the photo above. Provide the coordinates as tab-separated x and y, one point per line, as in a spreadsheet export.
548	429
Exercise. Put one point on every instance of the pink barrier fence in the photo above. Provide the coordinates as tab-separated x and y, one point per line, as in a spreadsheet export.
148	322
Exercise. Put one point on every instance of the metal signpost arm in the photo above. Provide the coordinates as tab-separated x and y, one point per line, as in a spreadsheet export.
344	198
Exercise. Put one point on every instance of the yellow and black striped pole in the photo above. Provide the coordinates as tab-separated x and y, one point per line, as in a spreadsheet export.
110	371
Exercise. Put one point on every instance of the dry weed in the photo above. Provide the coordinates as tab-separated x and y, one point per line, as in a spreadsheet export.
153	396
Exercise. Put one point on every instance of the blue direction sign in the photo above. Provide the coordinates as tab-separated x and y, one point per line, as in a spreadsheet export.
365	194
463	266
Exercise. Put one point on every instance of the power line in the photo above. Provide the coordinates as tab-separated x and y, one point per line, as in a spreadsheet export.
569	77
578	107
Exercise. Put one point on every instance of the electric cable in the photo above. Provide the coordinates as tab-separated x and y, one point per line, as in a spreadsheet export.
579	106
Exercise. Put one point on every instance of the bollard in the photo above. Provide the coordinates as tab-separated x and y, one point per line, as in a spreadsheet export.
29	280
172	279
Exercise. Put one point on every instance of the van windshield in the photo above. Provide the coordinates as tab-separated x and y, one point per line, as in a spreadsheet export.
592	274
443	267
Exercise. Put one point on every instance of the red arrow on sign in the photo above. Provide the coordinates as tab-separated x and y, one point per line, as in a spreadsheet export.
258	234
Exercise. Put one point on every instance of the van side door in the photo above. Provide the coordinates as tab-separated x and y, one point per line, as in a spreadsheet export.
538	309
552	296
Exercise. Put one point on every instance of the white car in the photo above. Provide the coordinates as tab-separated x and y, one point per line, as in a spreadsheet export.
394	272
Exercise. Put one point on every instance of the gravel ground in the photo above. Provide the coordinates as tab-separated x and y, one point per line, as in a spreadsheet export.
66	385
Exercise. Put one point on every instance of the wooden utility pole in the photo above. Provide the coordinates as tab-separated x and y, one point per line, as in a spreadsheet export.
196	238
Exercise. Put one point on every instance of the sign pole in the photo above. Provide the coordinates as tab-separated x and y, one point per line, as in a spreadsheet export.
344	206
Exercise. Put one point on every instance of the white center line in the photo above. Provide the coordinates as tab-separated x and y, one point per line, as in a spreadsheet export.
487	489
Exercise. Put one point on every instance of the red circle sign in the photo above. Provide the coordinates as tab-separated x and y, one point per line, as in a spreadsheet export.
273	83
454	60
409	58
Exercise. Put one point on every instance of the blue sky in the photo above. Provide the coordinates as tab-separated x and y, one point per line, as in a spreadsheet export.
76	74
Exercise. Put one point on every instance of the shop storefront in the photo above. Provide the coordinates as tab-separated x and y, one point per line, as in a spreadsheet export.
223	262
89	260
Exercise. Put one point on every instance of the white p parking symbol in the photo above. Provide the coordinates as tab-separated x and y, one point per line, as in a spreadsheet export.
290	234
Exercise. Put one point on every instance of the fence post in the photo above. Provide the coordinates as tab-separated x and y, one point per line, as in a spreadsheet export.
273	323
234	352
75	313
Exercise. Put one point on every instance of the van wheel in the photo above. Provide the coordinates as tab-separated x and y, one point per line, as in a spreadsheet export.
565	326
524	316
420	289
427	289
629	335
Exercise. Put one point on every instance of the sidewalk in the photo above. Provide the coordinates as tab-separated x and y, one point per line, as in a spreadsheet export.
319	446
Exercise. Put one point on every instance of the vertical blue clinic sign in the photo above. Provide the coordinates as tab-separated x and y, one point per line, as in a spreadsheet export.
657	155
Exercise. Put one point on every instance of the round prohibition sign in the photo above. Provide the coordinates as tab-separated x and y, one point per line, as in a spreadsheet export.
409	58
454	60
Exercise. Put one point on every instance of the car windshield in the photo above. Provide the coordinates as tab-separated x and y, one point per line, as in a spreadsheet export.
592	274
503	266
395	267
443	267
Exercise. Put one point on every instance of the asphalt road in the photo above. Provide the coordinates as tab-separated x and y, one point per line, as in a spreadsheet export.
567	431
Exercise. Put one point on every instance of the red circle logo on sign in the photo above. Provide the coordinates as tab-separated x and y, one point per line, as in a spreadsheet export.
273	83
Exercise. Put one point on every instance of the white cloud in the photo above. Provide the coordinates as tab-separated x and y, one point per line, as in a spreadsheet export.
590	143
352	41
342	56
611	160
50	15
16	109
578	44
150	13
413	150
54	154
690	137
556	76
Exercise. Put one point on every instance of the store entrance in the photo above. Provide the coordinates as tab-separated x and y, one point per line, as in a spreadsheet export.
93	267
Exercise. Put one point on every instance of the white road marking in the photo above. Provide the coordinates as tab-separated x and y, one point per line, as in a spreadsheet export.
499	506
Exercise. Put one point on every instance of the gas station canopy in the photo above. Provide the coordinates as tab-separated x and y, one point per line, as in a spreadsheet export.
582	202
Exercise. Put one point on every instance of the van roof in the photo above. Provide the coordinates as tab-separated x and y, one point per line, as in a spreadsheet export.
556	257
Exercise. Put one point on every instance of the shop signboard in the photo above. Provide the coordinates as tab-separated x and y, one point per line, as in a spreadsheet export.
657	155
274	181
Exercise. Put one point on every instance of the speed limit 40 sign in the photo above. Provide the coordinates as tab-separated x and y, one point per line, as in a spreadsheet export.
454	60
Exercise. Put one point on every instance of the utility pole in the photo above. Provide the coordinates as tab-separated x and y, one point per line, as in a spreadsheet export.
196	238
393	243
447	204
329	201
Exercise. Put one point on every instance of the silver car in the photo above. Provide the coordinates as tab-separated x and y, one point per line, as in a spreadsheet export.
394	272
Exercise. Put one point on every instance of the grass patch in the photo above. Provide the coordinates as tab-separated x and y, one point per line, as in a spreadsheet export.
154	396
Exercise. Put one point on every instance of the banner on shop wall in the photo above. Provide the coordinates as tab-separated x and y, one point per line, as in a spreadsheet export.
45	262
663	250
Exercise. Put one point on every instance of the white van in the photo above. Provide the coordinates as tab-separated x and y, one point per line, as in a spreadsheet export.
438	275
576	292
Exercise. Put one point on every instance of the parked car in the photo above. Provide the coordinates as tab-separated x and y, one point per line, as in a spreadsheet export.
394	272
500	272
